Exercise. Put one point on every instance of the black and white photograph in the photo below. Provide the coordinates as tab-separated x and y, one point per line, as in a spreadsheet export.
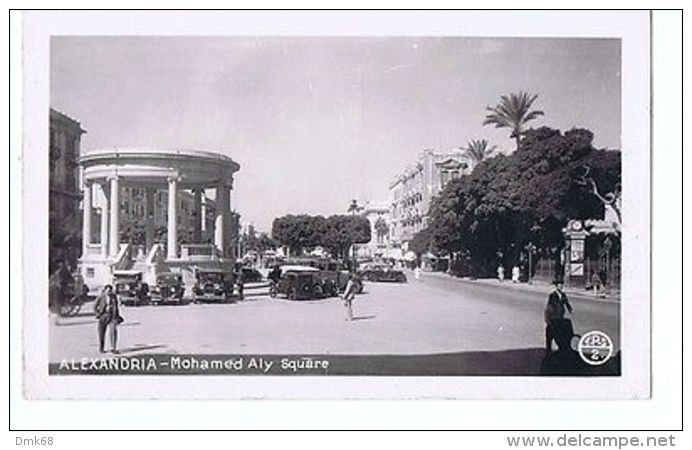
270	206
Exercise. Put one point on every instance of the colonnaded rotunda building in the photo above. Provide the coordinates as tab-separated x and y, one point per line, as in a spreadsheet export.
105	172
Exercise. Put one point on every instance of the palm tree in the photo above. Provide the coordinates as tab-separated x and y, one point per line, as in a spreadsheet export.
480	149
513	112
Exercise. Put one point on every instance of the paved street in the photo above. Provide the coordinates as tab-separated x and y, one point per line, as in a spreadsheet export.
432	315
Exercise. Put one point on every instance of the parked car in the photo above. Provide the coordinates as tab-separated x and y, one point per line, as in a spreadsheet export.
213	285
381	273
251	275
332	270
169	288
303	283
129	287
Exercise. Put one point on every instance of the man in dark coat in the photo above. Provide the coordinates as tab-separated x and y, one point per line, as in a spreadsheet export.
556	326
240	282
107	313
275	274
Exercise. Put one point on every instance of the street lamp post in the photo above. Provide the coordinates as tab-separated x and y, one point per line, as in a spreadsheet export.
353	208
530	248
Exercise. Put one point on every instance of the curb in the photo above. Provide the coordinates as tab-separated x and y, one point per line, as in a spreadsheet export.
523	287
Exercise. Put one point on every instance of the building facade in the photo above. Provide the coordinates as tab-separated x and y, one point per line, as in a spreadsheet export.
133	215
64	199
379	246
412	190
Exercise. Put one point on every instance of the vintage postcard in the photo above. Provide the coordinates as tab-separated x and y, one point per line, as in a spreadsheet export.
336	208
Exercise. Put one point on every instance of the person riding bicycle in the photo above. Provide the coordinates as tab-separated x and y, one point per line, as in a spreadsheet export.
61	280
275	274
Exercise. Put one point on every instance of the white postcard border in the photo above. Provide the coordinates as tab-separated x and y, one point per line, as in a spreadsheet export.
631	27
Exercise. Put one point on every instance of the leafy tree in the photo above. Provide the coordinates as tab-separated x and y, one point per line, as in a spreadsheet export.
514	112
422	242
528	196
480	149
298	232
342	231
65	242
336	233
266	242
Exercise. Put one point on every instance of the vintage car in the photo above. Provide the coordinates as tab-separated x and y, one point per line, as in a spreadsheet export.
302	283
212	285
169	288
331	270
249	275
381	272
129	287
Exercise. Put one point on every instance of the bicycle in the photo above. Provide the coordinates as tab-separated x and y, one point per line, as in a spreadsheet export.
73	305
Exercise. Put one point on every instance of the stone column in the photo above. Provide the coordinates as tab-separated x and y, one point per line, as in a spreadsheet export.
172	218
227	221
114	216
203	212
104	221
197	229
149	218
221	219
86	222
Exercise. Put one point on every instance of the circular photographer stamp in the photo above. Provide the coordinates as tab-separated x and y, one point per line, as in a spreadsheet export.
595	348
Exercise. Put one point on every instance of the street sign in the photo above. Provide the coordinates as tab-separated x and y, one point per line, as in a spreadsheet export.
576	269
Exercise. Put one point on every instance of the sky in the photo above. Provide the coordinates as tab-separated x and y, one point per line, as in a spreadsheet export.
315	122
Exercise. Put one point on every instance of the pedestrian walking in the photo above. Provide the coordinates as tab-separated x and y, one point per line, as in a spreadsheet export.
240	282
500	273
557	328
107	312
349	294
515	274
596	283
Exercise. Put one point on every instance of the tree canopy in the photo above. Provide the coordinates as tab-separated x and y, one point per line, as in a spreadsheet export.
480	149
527	196
335	233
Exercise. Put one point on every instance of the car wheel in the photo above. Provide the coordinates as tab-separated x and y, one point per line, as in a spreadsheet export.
317	291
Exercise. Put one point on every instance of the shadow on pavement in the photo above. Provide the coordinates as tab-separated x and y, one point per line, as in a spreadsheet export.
570	363
139	348
75	323
364	317
519	362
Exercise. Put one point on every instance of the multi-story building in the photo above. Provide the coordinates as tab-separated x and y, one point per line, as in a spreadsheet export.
412	190
64	193
133	210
